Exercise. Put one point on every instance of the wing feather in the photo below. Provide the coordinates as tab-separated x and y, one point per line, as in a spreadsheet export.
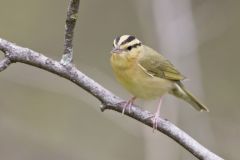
156	65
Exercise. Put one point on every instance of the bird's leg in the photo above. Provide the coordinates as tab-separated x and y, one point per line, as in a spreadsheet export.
157	115
128	104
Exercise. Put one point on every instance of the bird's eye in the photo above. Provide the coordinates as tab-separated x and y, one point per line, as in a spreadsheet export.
129	48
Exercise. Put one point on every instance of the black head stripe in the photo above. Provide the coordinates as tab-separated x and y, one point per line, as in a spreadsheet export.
129	39
117	40
129	48
137	44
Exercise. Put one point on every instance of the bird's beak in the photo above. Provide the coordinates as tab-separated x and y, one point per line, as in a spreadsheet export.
116	50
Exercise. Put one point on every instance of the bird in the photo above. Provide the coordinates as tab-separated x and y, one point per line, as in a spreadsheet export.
147	74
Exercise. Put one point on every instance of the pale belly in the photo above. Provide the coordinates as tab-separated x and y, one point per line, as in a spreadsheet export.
142	85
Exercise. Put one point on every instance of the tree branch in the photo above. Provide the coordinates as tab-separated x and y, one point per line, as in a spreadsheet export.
14	53
69	28
4	63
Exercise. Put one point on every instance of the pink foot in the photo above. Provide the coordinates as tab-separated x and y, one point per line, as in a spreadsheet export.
156	115
155	121
128	105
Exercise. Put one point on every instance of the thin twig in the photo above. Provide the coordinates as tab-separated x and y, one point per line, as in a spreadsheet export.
108	99
4	63
69	28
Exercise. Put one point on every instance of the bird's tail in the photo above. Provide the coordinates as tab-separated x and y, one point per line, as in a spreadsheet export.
180	92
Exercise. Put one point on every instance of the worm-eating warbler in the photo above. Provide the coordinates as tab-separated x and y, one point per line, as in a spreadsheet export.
146	74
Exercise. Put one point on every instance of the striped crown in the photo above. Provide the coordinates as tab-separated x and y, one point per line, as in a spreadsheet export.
127	42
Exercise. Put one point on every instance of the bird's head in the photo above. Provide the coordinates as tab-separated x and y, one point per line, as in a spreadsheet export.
126	46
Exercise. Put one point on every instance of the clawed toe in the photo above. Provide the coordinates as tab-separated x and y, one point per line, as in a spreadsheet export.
128	104
155	121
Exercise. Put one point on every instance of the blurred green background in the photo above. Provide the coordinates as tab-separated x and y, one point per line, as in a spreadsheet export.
43	116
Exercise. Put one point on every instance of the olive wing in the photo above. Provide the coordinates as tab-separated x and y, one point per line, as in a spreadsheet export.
156	65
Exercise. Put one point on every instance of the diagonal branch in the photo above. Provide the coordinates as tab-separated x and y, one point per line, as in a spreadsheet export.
16	53
69	28
4	63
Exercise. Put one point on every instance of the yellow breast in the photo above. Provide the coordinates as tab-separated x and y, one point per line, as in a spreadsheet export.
135	80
